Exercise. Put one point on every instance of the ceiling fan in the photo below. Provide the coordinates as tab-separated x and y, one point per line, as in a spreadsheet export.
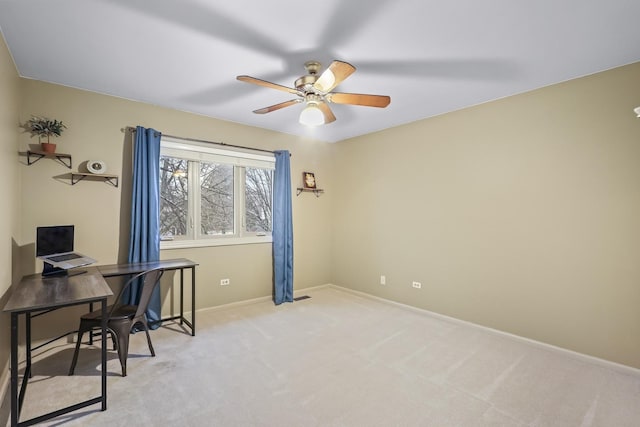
316	92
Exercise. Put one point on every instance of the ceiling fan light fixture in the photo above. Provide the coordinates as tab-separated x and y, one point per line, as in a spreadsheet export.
326	81
311	115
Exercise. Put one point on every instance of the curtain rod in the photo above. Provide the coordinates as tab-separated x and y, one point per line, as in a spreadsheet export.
133	130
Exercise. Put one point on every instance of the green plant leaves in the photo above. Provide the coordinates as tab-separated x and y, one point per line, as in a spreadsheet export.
43	126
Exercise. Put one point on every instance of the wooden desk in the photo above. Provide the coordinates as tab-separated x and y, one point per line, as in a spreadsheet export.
36	294
168	264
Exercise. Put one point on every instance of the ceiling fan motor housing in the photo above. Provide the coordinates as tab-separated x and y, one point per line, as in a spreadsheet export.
305	83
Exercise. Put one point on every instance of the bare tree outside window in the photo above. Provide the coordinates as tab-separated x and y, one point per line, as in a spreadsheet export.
174	209
208	198
258	199
216	199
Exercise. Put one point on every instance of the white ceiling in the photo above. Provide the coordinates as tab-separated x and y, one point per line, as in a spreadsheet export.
430	57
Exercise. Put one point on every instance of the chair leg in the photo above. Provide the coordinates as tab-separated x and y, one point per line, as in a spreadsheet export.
75	353
146	331
122	331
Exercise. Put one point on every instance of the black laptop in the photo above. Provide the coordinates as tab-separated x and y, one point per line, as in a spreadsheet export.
54	246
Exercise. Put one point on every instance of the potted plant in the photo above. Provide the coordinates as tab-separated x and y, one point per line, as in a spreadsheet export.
42	127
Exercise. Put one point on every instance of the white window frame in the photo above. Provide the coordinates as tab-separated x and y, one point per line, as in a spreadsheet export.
195	151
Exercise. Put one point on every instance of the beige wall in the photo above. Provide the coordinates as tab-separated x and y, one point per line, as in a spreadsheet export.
10	190
95	124
522	214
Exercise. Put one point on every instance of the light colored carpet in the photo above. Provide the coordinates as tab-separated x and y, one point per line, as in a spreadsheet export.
336	359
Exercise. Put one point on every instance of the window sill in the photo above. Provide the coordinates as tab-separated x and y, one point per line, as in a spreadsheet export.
184	244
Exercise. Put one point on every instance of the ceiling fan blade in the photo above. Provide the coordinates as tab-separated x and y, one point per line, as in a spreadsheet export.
328	114
334	75
249	79
379	101
277	106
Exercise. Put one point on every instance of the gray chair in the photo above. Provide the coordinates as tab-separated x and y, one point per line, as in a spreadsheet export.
122	318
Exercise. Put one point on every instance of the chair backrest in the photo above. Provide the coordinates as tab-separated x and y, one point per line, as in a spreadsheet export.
145	284
150	280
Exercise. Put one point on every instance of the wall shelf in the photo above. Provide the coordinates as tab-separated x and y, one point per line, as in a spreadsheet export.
316	191
65	159
79	176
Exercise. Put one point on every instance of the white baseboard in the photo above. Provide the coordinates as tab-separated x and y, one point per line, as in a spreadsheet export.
233	304
254	300
623	369
312	288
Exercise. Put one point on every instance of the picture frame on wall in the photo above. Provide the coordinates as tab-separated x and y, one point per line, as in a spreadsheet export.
309	180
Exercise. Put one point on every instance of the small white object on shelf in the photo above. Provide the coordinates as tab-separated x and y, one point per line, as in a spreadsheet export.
96	166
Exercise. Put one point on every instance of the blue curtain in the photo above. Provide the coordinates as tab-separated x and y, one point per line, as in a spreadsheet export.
144	237
282	230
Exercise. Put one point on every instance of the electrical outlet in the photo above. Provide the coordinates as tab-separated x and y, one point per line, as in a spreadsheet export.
225	282
417	285
383	280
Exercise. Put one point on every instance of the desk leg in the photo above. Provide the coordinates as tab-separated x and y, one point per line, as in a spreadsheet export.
90	332
28	343
193	301
15	412
181	295
104	354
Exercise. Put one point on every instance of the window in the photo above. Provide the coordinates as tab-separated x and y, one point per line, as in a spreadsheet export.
211	196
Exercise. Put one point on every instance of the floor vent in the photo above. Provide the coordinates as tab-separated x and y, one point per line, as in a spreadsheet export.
301	298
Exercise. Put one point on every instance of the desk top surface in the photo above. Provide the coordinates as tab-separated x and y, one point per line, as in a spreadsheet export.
35	292
139	267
